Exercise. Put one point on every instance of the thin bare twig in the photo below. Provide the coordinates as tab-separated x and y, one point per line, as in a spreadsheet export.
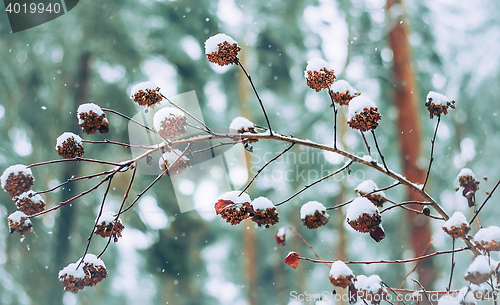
189	114
315	182
392	290
452	264
485	200
76	159
366	143
106	141
405	203
120	211
307	244
75	197
379	152
397	261
340	205
330	93
89	239
258	97
75	179
265	165
432	152
416	265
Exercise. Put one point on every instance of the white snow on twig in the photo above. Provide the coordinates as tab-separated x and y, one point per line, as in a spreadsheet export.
241	122
342	86
482	265
315	64
360	206
339	268
164	113
16	217
310	208
488	234
262	203
15	169
142	87
466	172
65	136
212	43
31	195
455	220
438	98
358	104
86	108
170	158
369	186
107	216
235	198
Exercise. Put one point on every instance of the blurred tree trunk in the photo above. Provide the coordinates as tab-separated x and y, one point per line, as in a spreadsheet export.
409	135
248	234
66	220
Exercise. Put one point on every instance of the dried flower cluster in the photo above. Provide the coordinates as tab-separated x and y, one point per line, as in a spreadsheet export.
438	104
146	94
87	272
313	215
29	203
170	122
92	119
69	145
318	75
366	120
222	50
109	227
173	163
17	179
19	222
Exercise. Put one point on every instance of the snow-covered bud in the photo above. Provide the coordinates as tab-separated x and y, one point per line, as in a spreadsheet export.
265	212
29	203
366	188
107	226
370	288
318	74
92	119
170	122
17	179
363	114
438	104
234	208
488	239
341	275
222	49
146	94
480	270
457	225
171	162
91	271
69	145
313	215
364	217
342	92
18	221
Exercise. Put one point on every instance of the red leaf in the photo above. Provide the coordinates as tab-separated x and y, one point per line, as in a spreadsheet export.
292	259
378	234
221	204
281	237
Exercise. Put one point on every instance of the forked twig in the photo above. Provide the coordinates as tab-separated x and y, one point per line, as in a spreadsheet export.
258	97
315	182
265	165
